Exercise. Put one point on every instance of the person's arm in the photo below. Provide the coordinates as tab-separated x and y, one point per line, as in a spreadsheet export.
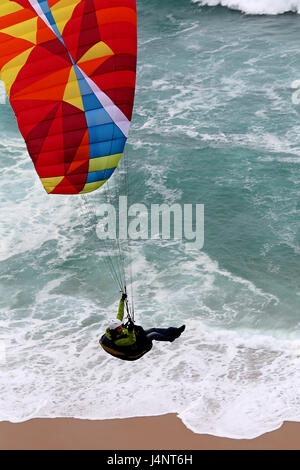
120	315
131	339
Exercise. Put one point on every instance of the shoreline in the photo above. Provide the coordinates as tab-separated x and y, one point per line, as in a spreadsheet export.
166	432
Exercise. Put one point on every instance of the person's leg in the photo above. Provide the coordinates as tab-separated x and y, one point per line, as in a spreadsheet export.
151	330
162	334
157	337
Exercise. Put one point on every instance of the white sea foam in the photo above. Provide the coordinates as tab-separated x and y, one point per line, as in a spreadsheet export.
219	383
256	7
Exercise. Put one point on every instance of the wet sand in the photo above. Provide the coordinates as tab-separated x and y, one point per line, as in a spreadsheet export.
153	433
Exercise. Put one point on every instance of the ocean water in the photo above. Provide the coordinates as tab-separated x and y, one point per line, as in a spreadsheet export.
216	122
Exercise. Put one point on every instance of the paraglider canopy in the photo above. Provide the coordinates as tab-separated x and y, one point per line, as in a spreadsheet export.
69	68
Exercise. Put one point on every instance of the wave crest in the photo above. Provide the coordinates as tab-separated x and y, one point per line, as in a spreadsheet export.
256	7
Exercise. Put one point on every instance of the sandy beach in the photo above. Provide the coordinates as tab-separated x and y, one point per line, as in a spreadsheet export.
151	433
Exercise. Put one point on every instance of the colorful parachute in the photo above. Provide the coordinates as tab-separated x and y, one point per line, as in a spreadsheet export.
69	69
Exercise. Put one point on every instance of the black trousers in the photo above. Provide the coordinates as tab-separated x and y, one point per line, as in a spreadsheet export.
161	334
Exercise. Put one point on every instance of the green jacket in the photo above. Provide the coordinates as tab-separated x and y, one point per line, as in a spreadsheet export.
126	338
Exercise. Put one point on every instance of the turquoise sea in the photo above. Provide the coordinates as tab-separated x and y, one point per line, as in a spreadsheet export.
216	122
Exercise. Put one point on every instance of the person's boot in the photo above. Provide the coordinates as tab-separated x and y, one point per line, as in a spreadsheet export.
181	329
178	333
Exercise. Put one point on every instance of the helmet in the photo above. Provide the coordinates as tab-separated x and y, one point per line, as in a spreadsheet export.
114	324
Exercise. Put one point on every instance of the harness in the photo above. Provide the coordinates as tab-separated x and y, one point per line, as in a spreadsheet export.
127	353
